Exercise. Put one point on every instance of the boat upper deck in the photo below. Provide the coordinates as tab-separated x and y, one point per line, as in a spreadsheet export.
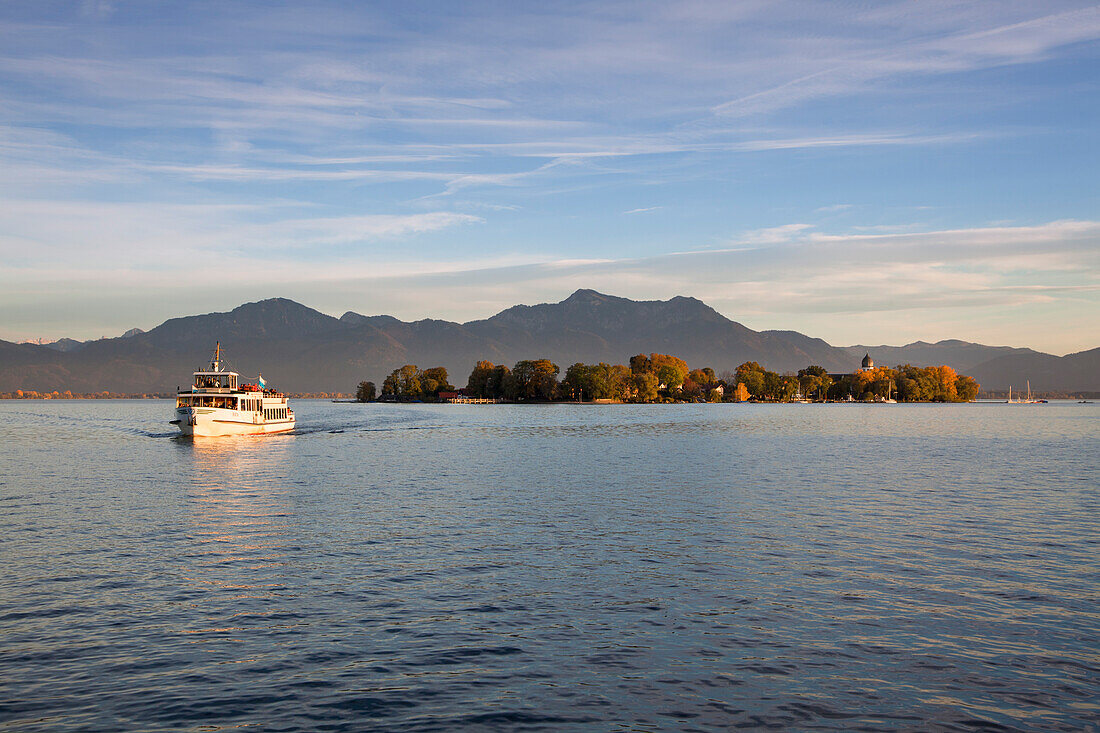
218	381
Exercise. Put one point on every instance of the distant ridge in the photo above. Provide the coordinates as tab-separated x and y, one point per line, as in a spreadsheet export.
64	344
958	354
303	350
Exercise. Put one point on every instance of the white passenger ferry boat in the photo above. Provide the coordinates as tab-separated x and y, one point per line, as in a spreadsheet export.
217	404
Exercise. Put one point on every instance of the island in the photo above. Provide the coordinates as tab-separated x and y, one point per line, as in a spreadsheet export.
663	378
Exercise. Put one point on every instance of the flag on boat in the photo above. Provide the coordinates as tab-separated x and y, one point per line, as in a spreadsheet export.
261	381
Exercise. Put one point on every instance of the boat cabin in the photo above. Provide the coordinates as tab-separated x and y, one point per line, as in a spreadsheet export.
216	381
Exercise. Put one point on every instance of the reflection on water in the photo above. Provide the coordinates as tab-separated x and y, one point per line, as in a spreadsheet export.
654	567
235	569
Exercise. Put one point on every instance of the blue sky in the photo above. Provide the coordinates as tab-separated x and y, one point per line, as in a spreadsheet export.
862	172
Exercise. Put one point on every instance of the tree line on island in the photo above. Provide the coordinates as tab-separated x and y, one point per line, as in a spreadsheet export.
651	378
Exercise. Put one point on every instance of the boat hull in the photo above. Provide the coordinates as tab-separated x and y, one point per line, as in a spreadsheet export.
212	423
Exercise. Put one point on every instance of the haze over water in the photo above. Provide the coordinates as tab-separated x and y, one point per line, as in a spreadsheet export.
681	567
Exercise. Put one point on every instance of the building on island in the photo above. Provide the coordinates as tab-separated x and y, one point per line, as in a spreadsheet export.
867	365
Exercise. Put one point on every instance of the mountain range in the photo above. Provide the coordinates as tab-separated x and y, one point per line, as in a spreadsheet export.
302	350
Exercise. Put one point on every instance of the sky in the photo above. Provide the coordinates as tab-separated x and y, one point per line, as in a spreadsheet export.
863	172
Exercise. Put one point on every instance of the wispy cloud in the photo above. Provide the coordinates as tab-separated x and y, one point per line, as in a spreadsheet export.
853	67
44	241
832	209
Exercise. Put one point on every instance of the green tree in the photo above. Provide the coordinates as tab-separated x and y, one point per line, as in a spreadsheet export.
495	386
478	383
670	370
621	382
575	384
774	385
746	368
365	392
535	379
788	387
751	375
644	387
814	381
403	383
408	380
907	389
966	388
433	381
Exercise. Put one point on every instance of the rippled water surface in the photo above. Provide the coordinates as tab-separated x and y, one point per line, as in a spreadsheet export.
691	567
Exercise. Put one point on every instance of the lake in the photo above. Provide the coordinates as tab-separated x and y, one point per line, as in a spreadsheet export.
560	567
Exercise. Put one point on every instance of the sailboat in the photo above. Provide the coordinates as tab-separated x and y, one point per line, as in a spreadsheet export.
1019	401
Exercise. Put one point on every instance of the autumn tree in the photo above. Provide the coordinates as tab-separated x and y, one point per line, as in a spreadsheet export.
703	377
946	379
641	364
691	390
